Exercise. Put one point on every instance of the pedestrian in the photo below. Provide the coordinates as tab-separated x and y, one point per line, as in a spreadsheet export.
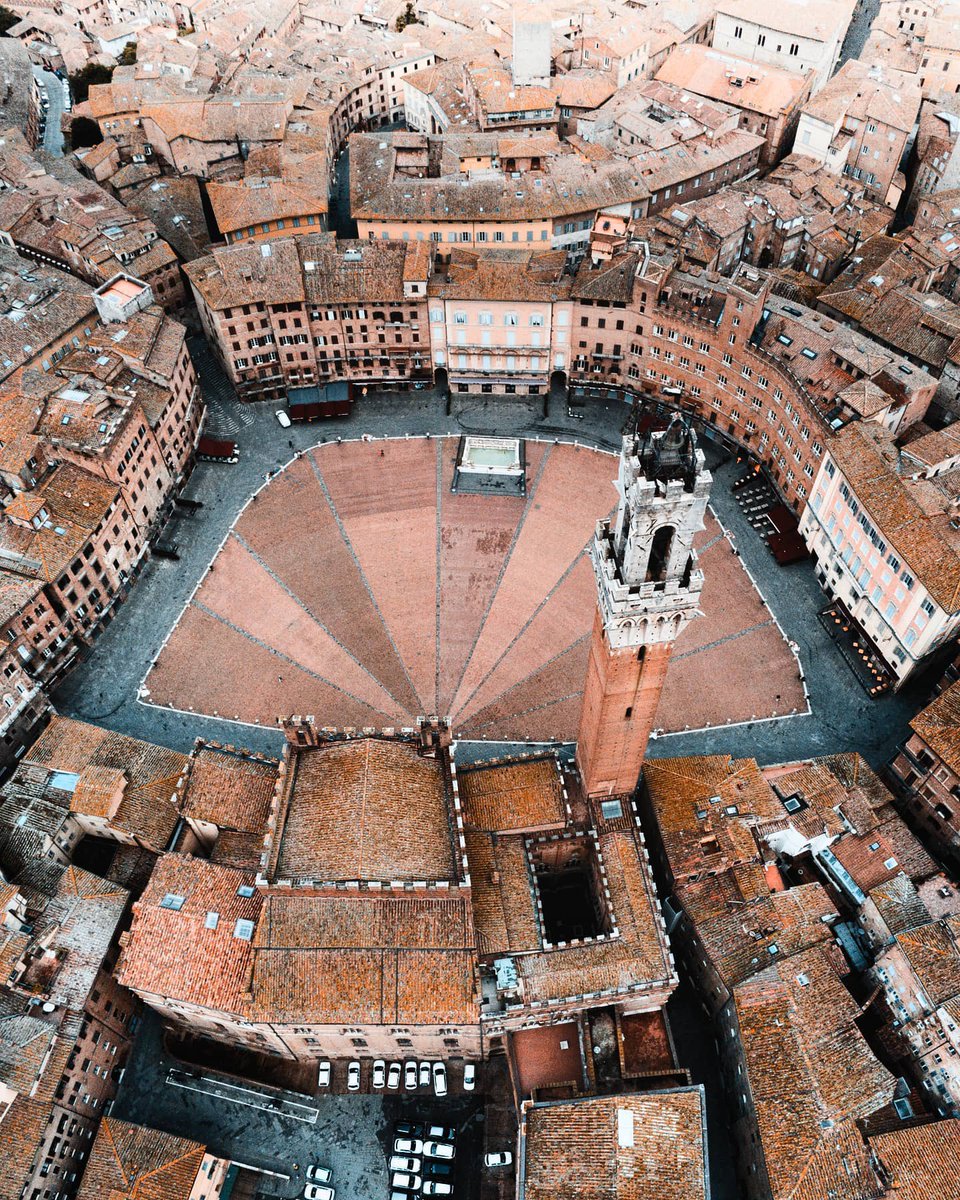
279	679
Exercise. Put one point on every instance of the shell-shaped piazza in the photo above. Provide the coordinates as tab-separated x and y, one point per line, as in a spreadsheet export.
358	588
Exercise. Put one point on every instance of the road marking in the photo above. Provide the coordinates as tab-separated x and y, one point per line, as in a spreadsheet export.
222	1090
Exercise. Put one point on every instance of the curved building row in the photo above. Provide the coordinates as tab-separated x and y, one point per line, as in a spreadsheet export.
789	384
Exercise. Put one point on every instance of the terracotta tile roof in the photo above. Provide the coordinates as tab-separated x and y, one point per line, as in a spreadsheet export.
581	88
939	726
561	186
862	90
703	808
912	513
250	201
220	118
514	797
575	1150
811	1075
97	791
933	953
503	274
899	904
907	848
502	903
866	858
323	957
150	803
742	925
77	502
370	809
230	788
332	958
176	952
708	72
22	1126
312	269
921	1162
25	1042
131	1162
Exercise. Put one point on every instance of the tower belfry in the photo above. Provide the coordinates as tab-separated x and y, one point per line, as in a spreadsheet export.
649	585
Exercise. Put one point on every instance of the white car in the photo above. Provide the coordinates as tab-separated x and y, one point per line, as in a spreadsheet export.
323	1075
500	1158
439	1079
424	1074
315	1191
441	1133
393	1077
436	1187
319	1174
401	1162
469	1077
408	1146
405	1183
439	1150
410	1076
353	1077
283	418
379	1073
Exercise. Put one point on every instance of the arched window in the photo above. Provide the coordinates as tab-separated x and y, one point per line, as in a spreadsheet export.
660	553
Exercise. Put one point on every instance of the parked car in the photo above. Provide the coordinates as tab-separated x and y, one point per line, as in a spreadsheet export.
283	419
407	1128
499	1158
424	1074
353	1077
393	1077
441	1133
405	1183
314	1191
319	1174
469	1077
323	1075
439	1149
436	1168
439	1079
404	1145
379	1073
410	1076
403	1162
436	1187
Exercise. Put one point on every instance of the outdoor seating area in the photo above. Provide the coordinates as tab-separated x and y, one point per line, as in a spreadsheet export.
855	647
770	517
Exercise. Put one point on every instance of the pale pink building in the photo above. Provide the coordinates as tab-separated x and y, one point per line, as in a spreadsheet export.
886	540
500	321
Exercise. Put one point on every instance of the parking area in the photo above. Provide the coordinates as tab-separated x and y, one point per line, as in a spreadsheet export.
278	1135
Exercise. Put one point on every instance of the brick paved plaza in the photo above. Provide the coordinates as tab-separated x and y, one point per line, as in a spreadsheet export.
357	588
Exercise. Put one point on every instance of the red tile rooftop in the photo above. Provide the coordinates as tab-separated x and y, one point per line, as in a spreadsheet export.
325	601
367	809
548	1058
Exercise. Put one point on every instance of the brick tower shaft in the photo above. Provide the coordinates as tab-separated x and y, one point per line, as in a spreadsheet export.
648	590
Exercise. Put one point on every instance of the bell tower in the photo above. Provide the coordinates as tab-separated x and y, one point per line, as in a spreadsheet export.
649	585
